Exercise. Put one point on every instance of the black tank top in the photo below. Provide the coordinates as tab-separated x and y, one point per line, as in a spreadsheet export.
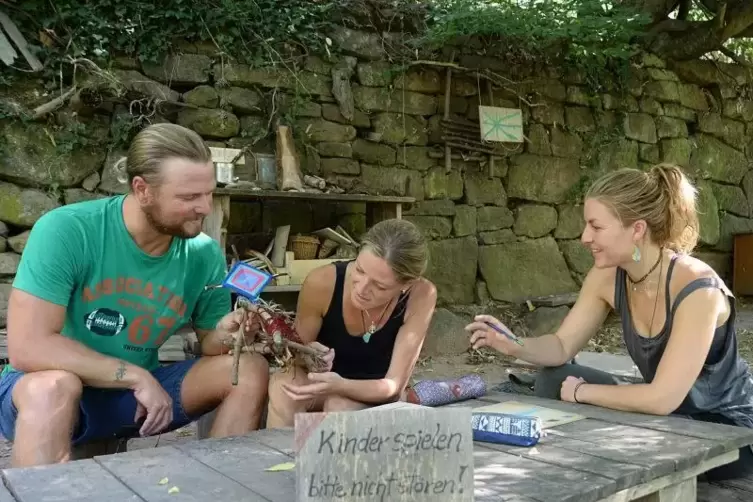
354	358
725	384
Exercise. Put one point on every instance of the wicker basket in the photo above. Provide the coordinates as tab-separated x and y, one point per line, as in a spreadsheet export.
304	246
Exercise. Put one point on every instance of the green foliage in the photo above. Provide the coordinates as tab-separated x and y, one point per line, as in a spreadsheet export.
250	30
593	36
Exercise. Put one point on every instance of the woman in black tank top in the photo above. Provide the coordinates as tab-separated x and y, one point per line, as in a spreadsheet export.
370	316
678	316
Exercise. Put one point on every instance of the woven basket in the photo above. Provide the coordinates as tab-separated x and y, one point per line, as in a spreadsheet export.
304	246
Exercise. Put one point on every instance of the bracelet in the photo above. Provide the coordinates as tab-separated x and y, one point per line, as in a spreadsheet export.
575	392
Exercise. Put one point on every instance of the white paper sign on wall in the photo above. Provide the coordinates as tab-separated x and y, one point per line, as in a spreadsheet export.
501	124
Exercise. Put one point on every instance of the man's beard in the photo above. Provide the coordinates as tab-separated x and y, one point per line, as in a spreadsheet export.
152	216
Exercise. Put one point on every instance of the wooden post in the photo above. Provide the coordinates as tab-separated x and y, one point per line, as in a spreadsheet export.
376	212
215	226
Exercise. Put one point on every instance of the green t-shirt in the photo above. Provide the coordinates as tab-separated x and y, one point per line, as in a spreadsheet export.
119	300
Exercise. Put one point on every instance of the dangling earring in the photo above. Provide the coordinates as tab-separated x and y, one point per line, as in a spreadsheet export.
636	254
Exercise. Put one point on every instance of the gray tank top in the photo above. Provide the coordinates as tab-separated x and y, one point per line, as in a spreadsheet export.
725	384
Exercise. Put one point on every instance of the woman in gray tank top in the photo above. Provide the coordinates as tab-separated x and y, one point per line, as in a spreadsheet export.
678	316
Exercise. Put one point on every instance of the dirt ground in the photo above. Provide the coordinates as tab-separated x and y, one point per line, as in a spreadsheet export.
492	367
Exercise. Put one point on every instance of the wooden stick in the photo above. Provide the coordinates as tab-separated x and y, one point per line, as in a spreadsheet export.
53	105
447	89
490	90
471	148
238	346
471	142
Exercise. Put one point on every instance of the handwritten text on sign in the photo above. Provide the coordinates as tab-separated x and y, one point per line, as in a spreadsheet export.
410	453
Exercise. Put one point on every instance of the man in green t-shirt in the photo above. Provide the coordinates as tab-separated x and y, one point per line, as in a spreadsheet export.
101	286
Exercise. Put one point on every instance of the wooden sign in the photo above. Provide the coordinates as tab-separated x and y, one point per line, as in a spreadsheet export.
501	124
405	453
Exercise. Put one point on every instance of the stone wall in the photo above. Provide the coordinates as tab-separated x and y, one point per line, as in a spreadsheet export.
503	232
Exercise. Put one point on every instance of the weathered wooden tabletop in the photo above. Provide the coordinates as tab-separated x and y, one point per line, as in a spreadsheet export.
609	456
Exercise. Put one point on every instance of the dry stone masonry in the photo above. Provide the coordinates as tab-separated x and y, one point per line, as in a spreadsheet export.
503	235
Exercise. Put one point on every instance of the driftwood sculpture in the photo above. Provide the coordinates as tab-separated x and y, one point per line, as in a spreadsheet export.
275	336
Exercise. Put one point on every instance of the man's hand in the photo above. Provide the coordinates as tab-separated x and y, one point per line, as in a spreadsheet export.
152	402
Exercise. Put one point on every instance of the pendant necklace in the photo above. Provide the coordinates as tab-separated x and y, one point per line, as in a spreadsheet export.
372	327
656	264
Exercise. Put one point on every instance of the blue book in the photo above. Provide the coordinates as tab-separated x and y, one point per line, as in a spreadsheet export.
504	428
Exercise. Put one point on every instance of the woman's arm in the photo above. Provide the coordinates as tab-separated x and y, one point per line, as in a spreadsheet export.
410	339
580	324
315	292
688	346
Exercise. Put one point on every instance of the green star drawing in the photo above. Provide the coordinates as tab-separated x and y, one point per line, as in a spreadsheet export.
501	124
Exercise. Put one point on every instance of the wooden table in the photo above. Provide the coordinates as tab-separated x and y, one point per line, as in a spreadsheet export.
610	456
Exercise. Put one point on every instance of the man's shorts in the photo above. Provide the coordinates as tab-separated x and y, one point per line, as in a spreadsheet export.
104	413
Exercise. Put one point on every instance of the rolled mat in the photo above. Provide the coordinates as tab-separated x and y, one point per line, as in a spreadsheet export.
440	392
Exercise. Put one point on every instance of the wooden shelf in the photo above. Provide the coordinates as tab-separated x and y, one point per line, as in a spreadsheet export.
291	288
245	193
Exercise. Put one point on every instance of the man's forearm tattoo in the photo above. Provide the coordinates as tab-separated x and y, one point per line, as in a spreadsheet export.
120	372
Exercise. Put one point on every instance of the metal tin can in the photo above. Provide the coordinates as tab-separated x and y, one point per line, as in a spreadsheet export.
224	172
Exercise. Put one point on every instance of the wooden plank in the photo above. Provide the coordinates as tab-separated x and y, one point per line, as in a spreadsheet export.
728	437
142	470
662	452
281	439
623	474
23	47
549	451
628	455
5	495
513	475
744	485
720	492
245	193
667	488
72	481
680	492
245	460
215	225
287	288
380	212
7	53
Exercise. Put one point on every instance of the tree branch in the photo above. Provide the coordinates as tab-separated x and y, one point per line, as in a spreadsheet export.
740	19
734	57
656	9
683	40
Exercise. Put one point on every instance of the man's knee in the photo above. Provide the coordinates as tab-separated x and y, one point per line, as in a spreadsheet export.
253	372
48	390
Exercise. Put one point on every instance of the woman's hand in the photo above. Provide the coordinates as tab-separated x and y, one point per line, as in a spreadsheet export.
569	386
483	335
322	384
327	355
